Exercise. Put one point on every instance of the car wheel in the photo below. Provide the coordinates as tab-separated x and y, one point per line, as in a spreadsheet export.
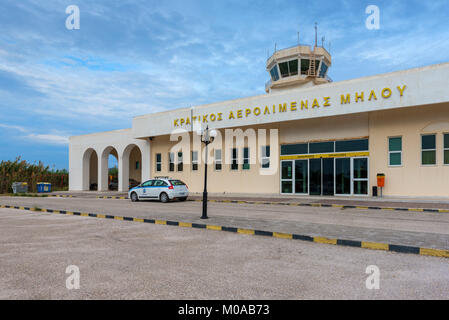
134	197
164	197
183	199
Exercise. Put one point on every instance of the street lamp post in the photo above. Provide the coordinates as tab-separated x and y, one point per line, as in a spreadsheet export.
206	139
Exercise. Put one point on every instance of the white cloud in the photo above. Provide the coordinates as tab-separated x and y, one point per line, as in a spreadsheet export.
54	138
48	138
13	127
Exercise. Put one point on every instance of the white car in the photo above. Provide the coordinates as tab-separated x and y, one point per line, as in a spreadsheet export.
162	189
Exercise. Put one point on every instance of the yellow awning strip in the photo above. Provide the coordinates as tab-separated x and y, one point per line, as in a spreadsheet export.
326	155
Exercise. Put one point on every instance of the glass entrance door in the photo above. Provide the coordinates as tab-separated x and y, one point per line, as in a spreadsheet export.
322	177
343	176
315	177
302	176
360	176
287	177
328	176
325	176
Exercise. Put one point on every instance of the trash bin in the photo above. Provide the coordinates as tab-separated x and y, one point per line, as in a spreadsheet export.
374	191
19	187
43	187
381	180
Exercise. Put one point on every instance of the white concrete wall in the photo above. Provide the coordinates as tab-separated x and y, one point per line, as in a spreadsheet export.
103	143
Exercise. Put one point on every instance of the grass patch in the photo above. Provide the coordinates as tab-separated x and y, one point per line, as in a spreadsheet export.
34	195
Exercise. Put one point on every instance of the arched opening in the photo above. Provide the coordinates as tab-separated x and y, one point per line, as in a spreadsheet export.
132	167
109	170
135	167
113	171
90	170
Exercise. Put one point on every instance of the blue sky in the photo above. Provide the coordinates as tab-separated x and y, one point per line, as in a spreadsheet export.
132	57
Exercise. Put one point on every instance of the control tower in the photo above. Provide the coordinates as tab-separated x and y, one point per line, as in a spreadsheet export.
298	66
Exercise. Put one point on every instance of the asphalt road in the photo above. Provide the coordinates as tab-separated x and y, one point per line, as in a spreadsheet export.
129	260
419	229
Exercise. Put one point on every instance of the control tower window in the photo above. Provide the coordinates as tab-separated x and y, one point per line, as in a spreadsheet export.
323	69
274	73
289	68
304	66
293	67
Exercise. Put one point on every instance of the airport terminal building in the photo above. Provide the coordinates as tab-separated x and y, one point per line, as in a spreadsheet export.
306	136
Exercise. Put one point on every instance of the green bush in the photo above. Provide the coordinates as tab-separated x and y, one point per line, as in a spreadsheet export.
22	171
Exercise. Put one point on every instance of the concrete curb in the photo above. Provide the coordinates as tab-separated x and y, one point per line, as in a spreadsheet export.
306	204
111	197
61	196
340	242
325	205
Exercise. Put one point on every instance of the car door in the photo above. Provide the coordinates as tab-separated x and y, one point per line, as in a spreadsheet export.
146	190
159	186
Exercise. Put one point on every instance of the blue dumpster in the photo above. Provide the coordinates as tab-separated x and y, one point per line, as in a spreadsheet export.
43	187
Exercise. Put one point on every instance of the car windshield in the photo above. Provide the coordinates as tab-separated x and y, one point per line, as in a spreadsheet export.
177	183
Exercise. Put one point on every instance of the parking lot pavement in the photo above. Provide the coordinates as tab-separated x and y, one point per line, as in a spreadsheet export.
384	202
418	229
126	260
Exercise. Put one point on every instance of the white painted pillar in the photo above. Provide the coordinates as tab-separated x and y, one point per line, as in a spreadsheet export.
103	172
146	160
123	172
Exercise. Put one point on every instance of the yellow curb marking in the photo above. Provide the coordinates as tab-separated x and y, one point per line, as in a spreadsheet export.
101	216
161	222
375	246
218	228
434	252
118	218
245	231
324	240
137	220
69	213
416	210
282	235
185	224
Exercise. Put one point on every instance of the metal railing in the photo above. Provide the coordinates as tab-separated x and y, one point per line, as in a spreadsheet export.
296	45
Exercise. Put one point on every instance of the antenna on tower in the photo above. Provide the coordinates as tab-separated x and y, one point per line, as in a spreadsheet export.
275	44
322	41
316	34
298	38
